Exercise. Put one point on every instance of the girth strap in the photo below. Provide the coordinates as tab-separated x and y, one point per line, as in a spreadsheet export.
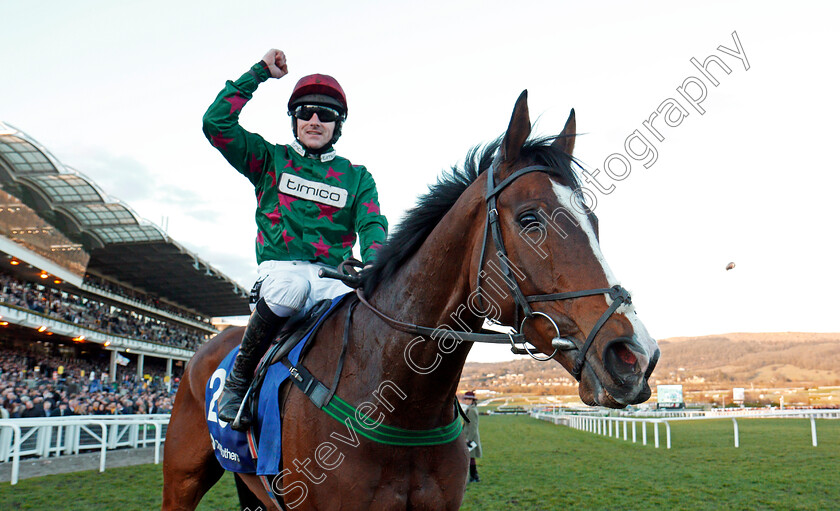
341	411
346	413
316	391
325	399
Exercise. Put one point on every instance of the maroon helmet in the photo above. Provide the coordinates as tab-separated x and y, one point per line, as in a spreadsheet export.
319	89
322	90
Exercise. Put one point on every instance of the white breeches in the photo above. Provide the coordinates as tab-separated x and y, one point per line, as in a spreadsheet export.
290	287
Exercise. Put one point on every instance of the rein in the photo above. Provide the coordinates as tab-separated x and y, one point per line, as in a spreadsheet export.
458	335
617	294
325	398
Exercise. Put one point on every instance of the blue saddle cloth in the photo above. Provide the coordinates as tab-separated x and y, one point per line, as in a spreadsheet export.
231	447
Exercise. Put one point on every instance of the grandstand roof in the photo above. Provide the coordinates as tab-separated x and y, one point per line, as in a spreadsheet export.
121	245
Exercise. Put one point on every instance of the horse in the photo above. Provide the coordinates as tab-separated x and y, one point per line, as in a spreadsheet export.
507	239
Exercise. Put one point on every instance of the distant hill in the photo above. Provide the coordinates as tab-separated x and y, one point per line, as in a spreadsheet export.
776	358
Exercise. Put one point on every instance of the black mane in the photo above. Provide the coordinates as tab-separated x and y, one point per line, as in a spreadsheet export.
419	221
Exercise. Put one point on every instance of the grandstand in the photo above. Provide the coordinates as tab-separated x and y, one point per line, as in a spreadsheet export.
84	279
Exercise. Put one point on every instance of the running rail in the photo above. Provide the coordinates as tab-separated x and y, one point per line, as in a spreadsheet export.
62	435
611	426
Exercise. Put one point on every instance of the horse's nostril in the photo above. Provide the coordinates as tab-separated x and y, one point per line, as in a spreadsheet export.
622	362
624	353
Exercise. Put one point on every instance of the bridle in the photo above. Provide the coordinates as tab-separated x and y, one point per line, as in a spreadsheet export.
618	294
517	340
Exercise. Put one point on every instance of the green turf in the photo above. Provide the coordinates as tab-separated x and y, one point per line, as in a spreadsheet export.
537	465
125	488
534	465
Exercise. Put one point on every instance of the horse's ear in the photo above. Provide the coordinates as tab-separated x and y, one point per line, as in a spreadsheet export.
518	129
565	141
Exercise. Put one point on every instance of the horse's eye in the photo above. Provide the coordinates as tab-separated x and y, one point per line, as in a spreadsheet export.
529	220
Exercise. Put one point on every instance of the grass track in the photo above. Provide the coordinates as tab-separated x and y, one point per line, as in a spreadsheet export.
535	465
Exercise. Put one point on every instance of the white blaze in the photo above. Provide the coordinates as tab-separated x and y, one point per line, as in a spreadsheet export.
564	197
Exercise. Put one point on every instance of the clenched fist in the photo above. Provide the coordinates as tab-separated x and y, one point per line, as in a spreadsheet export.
276	61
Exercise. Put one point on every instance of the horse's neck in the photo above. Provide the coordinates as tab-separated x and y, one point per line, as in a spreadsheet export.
430	290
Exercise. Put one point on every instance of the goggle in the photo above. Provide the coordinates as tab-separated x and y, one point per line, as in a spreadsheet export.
325	113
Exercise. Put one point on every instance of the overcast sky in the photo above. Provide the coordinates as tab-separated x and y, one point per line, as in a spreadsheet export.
116	90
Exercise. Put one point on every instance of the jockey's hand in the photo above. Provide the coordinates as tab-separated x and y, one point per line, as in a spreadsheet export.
276	61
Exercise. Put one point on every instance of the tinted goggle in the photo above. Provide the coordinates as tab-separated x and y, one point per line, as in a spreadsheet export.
325	113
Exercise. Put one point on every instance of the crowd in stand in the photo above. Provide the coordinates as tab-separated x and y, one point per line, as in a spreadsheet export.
90	313
110	287
31	386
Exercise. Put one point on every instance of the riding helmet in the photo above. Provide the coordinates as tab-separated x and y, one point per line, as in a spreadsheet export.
318	89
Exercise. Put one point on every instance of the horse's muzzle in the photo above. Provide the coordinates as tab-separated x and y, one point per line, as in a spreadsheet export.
624	378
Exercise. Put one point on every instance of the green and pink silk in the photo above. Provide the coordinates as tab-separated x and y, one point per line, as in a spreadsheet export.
307	209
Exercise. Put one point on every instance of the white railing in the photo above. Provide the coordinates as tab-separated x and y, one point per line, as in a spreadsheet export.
610	426
57	436
618	426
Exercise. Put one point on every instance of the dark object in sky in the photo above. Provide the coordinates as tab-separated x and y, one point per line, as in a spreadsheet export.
730	266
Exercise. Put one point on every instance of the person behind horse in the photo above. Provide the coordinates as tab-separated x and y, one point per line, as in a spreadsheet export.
471	434
311	204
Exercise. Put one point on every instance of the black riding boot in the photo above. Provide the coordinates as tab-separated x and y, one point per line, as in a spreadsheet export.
260	332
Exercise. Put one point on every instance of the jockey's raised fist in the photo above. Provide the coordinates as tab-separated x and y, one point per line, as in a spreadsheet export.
276	61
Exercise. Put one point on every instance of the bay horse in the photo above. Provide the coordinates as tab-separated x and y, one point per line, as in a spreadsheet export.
505	238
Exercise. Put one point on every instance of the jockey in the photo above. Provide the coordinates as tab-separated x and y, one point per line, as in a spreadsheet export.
311	204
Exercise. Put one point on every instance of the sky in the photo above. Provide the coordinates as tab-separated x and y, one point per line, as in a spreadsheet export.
116	90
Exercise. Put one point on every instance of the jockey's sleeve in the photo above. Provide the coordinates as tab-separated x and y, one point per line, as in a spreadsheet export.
247	152
371	224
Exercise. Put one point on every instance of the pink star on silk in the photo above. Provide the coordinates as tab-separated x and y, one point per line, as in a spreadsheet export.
259	197
236	102
332	173
255	165
290	166
327	211
375	245
260	238
286	238
220	141
372	206
273	178
274	216
321	248
348	240
286	200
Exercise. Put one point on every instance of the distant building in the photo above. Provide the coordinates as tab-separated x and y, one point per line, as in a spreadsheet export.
83	276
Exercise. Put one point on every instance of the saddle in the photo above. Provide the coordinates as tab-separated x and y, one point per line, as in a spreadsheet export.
252	452
292	334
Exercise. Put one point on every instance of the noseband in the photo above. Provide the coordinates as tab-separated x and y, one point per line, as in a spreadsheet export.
617	294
